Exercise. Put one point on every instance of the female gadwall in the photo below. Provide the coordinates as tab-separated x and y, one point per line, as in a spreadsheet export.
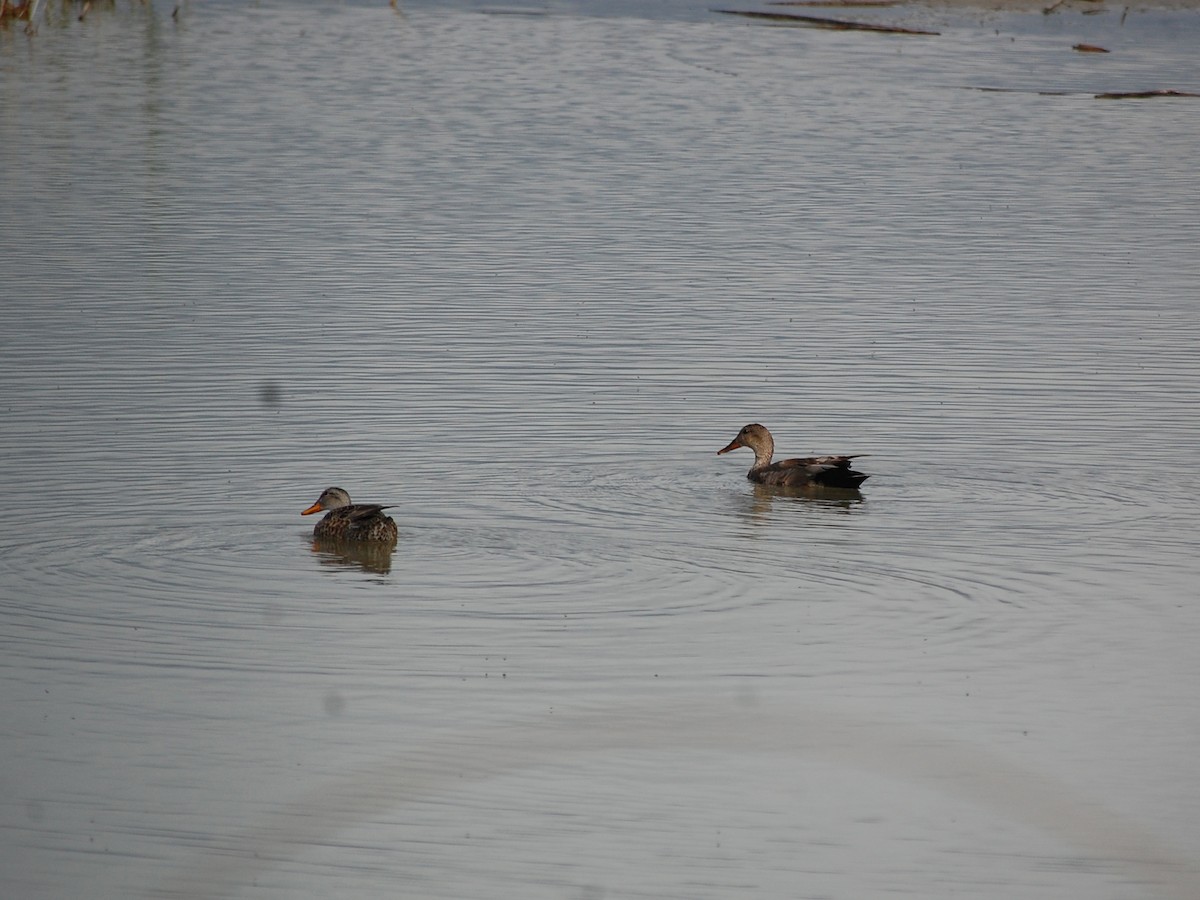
346	521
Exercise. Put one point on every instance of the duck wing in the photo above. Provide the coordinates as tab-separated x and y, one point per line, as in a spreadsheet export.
362	513
817	463
832	471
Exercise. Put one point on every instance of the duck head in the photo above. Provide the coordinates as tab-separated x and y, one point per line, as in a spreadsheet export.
331	498
758	439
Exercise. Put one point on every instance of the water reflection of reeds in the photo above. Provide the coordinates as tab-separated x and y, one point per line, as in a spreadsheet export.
35	13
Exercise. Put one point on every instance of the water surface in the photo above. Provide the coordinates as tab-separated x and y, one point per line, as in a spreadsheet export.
522	276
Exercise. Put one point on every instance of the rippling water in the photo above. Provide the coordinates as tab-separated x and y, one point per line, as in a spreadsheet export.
521	276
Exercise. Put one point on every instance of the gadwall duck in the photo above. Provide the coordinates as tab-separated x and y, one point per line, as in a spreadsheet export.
823	471
346	521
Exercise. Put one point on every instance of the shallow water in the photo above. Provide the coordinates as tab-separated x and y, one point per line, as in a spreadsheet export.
522	276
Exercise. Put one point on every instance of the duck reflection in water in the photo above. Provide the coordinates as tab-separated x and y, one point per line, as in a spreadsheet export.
759	505
356	534
375	558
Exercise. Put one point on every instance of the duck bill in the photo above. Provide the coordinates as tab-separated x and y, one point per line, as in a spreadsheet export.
733	445
315	508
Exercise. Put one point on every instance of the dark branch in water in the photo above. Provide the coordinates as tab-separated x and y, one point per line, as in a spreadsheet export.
1138	95
828	3
1109	95
822	22
1053	7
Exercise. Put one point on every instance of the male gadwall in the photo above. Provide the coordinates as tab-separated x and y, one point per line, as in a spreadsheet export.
823	471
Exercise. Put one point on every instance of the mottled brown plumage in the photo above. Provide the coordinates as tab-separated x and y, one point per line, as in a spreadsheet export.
346	521
822	471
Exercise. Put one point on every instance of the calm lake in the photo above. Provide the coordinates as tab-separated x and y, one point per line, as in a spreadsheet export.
519	272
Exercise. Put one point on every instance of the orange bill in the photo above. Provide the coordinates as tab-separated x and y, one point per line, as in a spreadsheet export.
733	445
315	508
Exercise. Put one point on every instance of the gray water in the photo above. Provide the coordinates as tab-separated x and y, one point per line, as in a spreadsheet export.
521	276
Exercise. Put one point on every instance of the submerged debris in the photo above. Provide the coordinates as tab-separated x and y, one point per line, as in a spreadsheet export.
822	22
